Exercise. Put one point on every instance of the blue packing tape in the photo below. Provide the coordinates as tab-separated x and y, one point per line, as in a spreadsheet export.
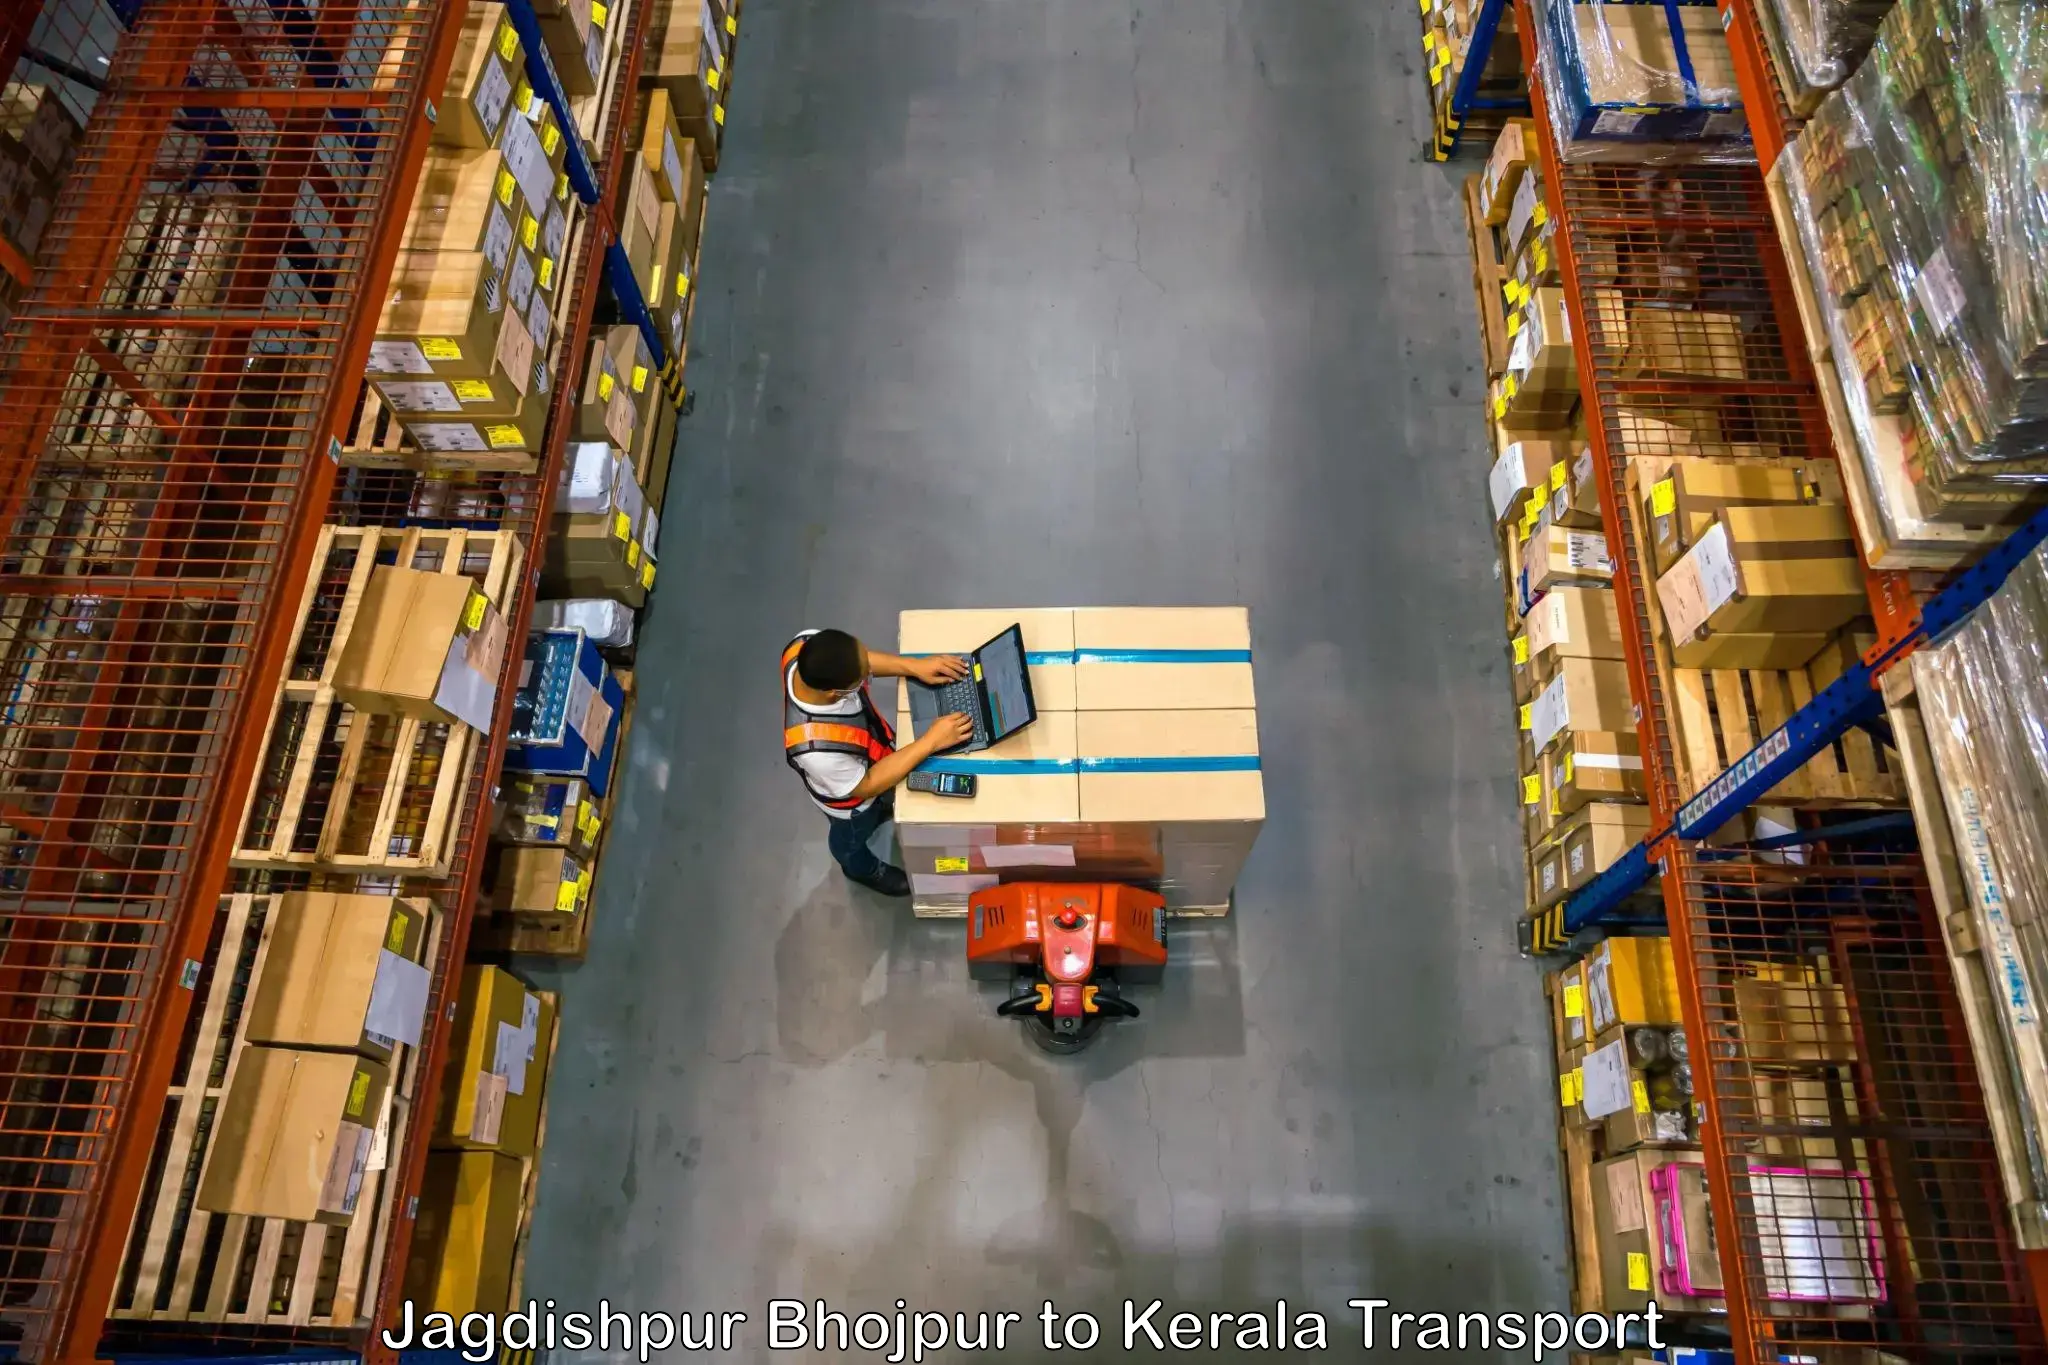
1052	767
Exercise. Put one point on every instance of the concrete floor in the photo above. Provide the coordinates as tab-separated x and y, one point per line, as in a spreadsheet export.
1072	301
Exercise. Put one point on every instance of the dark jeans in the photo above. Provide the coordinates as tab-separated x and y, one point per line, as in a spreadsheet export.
849	839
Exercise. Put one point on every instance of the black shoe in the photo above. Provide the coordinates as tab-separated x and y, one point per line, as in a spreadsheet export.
890	881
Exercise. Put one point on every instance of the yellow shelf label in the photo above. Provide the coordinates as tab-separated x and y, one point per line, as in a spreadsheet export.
599	12
506	184
718	116
1532	789
1540	216
950	864
1521	647
1638	1270
604	386
1663	498
682	283
647	573
1557	472
358	1094
1514	323
529	230
561	184
473	390
1641	1095
1574	1001
1564	1089
1523	716
732	24
508	39
712	78
550	139
622	526
394	939
522	95
1567	769
473	612
1500	406
566	893
632	554
440	348
639	378
504	436
547	272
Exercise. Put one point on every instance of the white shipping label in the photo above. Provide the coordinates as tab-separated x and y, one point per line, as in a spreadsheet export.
398	357
398	998
582	691
1507	480
528	162
415	396
520	285
1699	584
463	692
538	321
498	237
672	165
1632	763
529	1020
1564	323
597	721
513	1050
1522	354
489	1116
1521	209
942	883
380	1141
1600	989
1028	855
1607	1089
556	230
1577	859
1587	550
1549	713
1615	123
447	436
344	1179
714	49
1940	291
493	96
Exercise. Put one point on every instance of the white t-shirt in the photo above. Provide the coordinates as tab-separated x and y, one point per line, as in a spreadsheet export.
831	773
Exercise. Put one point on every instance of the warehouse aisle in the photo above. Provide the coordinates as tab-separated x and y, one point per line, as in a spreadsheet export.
1072	302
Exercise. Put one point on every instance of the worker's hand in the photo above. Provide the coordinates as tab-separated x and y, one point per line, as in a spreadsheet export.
949	731
941	668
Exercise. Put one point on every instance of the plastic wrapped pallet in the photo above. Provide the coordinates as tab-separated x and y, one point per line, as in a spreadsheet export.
1817	43
1984	695
1916	192
609	624
1640	83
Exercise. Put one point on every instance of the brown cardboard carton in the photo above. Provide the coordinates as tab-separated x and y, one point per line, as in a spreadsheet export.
341	974
426	645
1030	798
540	881
1730	582
634	364
1585	694
1598	834
497	1064
682	61
440	318
1115	649
1572	622
1557	556
566	30
1635	1103
666	152
1667	343
1048	644
1594	765
467	201
1682	497
478	95
1546	874
1794	1021
639	222
293	1136
1631	1251
1569	1001
596	556
465	1234
1536	821
537	811
607	411
1513	152
1575	491
1541	377
1200	793
1522	472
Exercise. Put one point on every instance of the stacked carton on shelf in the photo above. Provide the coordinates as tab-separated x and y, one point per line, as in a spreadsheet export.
1142	766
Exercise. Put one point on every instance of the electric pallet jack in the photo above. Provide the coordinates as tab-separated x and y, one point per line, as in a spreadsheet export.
1067	952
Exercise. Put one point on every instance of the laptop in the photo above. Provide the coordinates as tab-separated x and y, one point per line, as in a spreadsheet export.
995	694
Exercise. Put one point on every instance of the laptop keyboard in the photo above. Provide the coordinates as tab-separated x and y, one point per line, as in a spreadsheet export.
961	696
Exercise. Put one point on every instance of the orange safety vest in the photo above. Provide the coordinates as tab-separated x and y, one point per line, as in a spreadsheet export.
867	735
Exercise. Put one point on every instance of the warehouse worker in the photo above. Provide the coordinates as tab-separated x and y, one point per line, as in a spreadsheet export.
845	752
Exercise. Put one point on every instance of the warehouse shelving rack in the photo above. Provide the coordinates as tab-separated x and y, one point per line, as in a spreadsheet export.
179	381
1850	931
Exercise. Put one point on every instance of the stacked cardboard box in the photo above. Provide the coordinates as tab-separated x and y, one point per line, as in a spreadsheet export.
341	989
425	645
38	136
1142	767
686	63
603	539
461	356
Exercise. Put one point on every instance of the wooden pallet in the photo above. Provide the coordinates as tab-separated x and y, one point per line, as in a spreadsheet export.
1488	274
529	1185
1718	715
544	935
340	790
1575	1157
1921	543
183	1264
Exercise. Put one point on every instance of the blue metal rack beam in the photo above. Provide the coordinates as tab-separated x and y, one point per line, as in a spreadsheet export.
1465	94
1852	699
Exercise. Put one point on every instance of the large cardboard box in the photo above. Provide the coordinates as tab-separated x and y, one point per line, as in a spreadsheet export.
497	1065
488	60
1154	779
1558	556
1670	343
680	182
1542	379
597	557
441	320
1575	622
342	973
1765	570
465	1234
1632	1253
639	223
293	1136
1632	981
1687	494
467	201
536	811
1794	1021
1595	836
1513	152
1585	694
566	29
426	645
540	881
682	60
1594	765
1523	472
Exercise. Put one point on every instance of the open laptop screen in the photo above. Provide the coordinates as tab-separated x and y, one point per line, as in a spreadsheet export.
1008	684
